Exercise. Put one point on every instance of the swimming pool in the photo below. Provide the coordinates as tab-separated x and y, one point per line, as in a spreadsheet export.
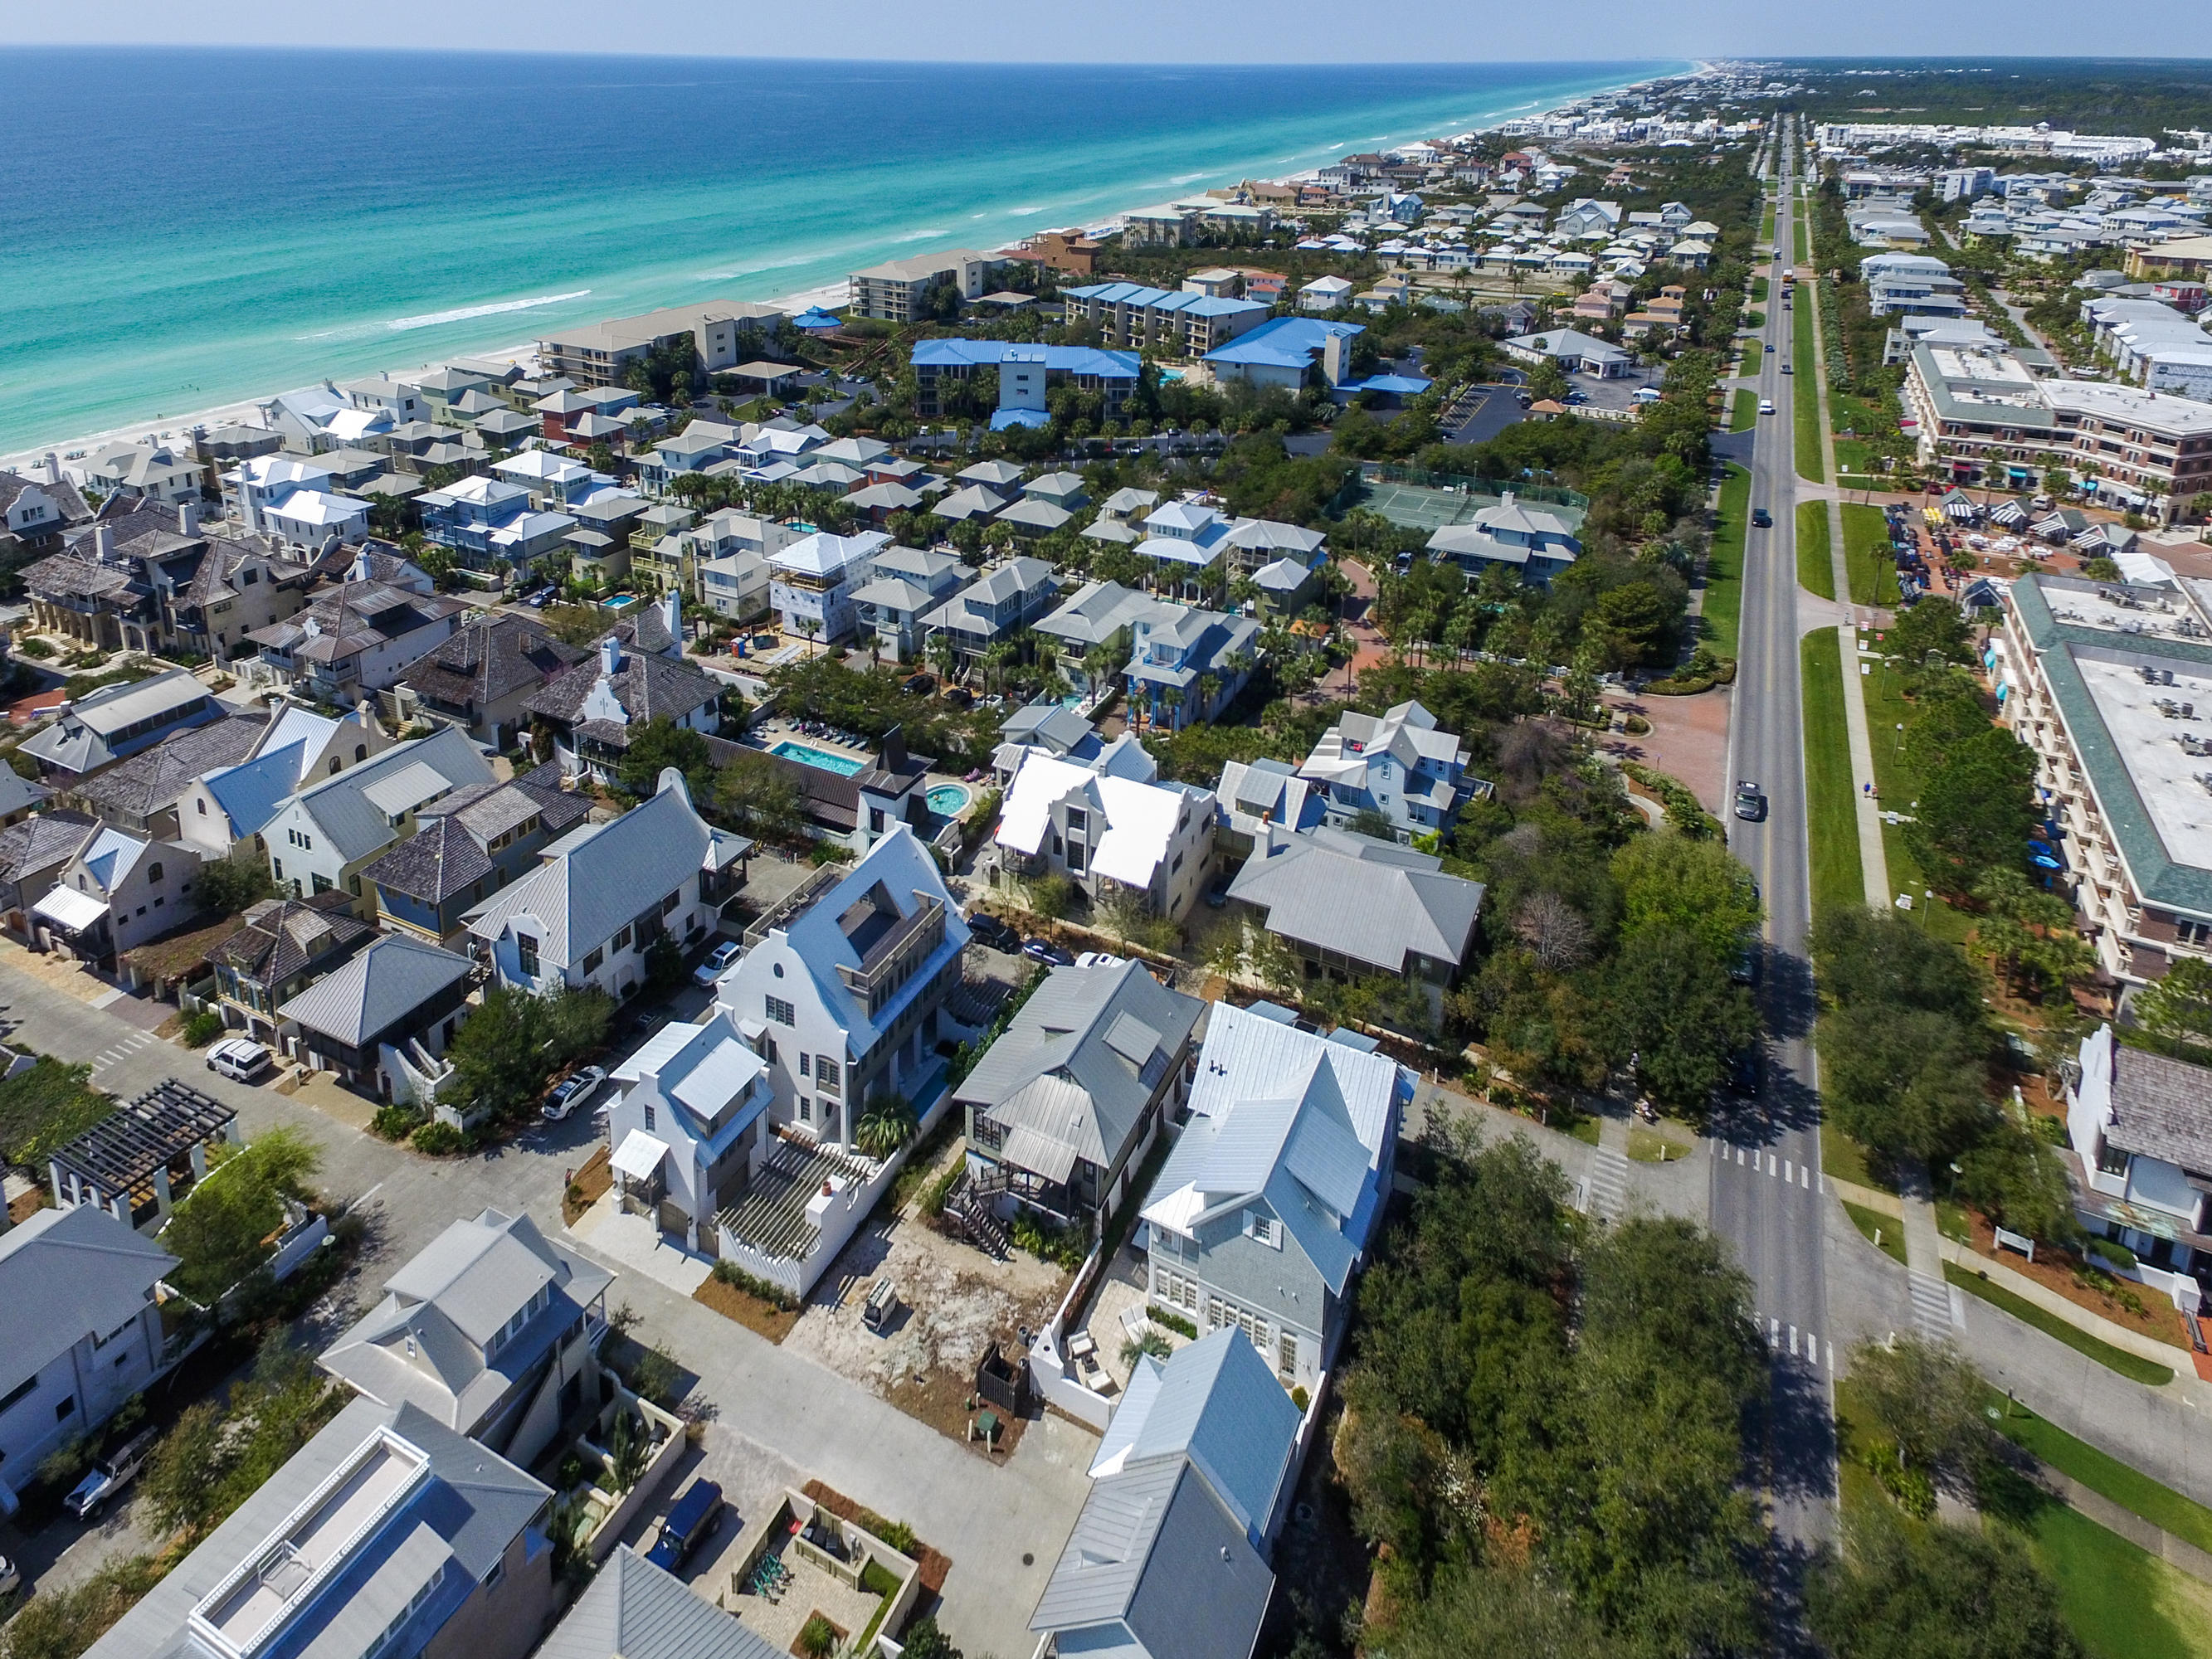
807	755
949	800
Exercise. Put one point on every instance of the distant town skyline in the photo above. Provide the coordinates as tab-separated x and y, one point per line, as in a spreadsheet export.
1164	31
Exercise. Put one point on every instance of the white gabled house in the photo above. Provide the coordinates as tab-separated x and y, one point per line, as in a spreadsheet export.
842	986
690	1131
605	893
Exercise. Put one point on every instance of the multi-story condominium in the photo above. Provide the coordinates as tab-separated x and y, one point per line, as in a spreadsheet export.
1271	1198
1062	1109
388	1533
85	1331
492	1329
1984	413
937	363
722	333
604	894
844	982
1133	316
1186	666
899	291
2108	684
997	605
153	580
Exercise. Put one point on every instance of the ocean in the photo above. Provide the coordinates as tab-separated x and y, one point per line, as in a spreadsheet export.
197	227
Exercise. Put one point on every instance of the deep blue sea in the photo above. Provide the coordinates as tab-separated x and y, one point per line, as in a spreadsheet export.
197	227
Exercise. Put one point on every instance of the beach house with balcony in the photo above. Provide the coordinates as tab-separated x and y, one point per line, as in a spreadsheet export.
1062	1109
322	837
1398	764
2140	1133
1105	824
811	581
1535	542
842	987
1186	666
467	846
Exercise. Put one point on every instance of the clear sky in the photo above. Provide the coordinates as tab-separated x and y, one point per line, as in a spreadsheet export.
1160	31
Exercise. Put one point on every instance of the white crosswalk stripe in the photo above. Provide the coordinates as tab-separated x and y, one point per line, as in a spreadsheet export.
1931	1306
1606	1183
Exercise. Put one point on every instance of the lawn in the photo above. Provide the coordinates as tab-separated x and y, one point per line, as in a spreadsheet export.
1863	416
1867	558
1806	394
1898	788
1758	283
1816	566
1797	234
2148	1372
1832	812
1844	1159
2129	1488
1886	1233
1745	415
1723	602
2123	1602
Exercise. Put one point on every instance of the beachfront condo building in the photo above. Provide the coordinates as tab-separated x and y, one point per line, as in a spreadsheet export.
723	334
898	291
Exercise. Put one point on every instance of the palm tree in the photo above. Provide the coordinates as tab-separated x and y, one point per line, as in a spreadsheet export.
808	627
1209	688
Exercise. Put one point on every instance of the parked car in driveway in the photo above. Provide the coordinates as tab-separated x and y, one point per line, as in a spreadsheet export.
110	1475
719	960
573	1092
1044	950
694	1517
240	1059
988	930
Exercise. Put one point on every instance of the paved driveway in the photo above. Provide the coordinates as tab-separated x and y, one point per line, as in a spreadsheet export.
984	1516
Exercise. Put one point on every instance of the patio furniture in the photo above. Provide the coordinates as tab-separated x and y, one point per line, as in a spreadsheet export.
1082	1346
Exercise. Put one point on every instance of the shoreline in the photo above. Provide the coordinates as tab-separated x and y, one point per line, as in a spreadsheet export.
176	429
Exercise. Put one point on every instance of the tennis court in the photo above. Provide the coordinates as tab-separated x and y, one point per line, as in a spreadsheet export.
1417	507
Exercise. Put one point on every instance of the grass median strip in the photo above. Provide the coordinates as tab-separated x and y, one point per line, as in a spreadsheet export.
1805	393
1724	600
2131	1488
1833	815
1867	558
2149	1372
1885	1233
1816	567
1745	415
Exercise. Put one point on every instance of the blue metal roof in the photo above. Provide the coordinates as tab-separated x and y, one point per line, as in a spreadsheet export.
1164	299
1285	342
1006	417
1405	385
815	317
1071	360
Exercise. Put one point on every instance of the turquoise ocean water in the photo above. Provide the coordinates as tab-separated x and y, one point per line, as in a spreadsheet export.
197	227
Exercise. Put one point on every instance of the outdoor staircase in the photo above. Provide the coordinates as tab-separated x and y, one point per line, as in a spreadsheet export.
426	1071
968	1212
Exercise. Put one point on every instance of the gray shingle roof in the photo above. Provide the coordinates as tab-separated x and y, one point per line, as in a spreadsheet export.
489	658
67	1274
380	988
2162	1108
281	936
633	1610
339	805
149	781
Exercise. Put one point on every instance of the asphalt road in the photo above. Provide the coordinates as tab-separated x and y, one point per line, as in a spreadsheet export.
1766	1194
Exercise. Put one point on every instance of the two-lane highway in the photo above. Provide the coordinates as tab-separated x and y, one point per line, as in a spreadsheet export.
1766	1155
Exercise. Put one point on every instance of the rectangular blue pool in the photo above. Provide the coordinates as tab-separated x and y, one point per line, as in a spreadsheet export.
807	755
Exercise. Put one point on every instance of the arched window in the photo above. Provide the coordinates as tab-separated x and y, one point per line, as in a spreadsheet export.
153	873
334	765
361	751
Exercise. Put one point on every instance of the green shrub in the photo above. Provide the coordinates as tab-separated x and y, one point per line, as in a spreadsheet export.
876	1579
935	1196
728	1273
1914	1491
817	1637
201	1028
438	1139
395	1122
1063	1247
1168	1320
1301	1399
